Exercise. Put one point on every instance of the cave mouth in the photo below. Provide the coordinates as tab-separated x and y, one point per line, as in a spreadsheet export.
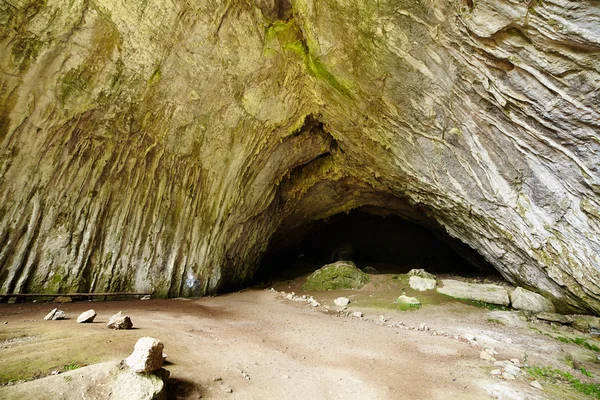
384	241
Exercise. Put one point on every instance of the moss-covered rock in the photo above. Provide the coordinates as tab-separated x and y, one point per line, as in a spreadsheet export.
339	275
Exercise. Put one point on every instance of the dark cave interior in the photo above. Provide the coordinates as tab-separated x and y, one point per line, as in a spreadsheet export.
388	243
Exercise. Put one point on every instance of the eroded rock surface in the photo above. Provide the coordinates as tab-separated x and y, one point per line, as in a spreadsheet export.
152	146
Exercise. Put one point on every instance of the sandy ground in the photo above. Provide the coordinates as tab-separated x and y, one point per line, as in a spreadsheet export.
258	345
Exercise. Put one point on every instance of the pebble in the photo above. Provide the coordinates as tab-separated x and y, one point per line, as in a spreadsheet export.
496	372
536	385
341	301
486	356
423	327
508	377
516	362
491	351
469	337
357	314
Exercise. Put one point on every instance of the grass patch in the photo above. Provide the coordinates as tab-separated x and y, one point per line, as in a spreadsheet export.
483	304
494	321
72	366
578	341
558	376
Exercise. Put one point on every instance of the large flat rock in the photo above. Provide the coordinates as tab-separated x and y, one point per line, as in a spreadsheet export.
493	294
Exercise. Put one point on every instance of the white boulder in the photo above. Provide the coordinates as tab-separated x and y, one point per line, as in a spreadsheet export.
147	355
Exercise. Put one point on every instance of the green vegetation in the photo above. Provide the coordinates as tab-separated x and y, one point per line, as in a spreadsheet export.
578	341
558	376
483	304
585	372
68	378
336	276
494	321
72	366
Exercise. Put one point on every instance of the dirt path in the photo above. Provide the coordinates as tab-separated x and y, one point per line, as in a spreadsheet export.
258	345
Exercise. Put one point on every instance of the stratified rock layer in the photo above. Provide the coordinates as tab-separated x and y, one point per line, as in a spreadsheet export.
150	145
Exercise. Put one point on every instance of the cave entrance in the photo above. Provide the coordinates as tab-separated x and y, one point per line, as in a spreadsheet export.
372	239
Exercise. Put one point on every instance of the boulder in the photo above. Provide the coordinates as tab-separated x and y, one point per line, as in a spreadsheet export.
339	275
421	284
487	293
421	273
119	321
553	317
523	299
341	301
147	355
86	317
129	385
411	301
110	380
55	314
586	323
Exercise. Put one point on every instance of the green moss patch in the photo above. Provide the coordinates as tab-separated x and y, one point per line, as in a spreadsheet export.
340	275
558	376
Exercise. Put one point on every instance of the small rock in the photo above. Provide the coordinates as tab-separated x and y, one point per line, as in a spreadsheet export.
516	362
511	369
55	314
423	327
62	299
485	356
229	390
469	337
5	323
341	301
357	314
496	372
536	385
413	301
491	351
147	355
382	318
146	297
119	321
508	377
86	317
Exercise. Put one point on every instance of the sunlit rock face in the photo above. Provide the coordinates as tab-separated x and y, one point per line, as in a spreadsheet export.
160	145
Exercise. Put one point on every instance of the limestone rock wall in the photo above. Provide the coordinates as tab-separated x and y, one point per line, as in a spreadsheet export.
159	145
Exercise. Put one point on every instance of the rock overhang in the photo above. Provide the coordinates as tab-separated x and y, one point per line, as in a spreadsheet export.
162	161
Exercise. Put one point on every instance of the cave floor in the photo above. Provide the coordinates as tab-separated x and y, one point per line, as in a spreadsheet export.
257	344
